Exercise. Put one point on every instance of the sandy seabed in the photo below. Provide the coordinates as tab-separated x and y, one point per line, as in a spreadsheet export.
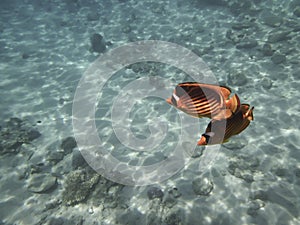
45	49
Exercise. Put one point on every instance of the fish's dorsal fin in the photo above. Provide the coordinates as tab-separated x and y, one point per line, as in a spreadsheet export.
221	89
224	90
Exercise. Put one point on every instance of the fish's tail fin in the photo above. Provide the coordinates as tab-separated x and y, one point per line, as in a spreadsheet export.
233	103
249	114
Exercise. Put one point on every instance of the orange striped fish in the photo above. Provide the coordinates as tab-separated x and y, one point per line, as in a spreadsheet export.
204	100
234	125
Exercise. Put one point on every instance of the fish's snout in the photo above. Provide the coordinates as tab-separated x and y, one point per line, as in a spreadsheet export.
202	141
168	100
206	138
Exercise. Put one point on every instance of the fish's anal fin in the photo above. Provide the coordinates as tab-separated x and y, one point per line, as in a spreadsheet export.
225	141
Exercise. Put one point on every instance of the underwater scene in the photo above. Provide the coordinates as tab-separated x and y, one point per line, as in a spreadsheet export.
175	112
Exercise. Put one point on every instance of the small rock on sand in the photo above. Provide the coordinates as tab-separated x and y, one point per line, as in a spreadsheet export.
202	186
41	183
68	144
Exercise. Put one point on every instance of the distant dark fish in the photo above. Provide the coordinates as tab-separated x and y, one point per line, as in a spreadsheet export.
233	125
204	100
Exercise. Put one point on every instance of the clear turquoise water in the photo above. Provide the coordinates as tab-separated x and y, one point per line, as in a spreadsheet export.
253	47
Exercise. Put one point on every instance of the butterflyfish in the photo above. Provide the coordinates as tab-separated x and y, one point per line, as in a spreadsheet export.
204	100
219	131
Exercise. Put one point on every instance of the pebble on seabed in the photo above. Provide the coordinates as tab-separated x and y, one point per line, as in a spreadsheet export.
78	186
97	43
297	11
68	144
272	20
277	36
278	58
266	83
14	133
267	50
247	43
155	192
202	186
237	78
41	183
